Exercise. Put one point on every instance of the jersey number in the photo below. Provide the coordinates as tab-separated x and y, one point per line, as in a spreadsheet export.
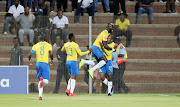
42	50
69	51
111	68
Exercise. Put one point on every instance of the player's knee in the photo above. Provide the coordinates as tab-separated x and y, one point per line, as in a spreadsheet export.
45	81
109	77
105	60
102	78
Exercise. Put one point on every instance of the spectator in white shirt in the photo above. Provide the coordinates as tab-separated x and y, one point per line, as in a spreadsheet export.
84	5
60	27
14	11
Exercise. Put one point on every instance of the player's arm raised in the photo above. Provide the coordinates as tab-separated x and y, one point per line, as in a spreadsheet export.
107	52
106	46
80	52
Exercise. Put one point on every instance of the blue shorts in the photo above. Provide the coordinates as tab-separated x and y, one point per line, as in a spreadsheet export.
107	69
97	53
43	70
72	67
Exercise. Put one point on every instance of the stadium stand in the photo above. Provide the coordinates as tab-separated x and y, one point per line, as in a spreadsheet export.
153	59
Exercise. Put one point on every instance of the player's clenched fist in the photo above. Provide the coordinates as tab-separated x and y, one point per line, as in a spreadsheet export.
30	62
51	63
90	49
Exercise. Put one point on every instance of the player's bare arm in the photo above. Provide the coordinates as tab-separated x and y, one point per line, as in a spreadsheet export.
30	60
51	56
102	47
106	46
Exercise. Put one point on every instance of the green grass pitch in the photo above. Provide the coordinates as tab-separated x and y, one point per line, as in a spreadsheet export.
87	100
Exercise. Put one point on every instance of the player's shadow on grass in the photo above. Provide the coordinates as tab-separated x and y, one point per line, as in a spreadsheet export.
177	95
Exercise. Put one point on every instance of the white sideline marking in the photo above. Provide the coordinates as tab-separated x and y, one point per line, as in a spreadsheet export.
163	95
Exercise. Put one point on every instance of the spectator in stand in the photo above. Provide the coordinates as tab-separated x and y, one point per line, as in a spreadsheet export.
45	7
116	7
34	5
16	53
170	6
26	21
42	26
13	13
9	4
52	3
60	27
145	6
62	3
84	5
123	28
106	3
178	39
177	33
62	69
74	4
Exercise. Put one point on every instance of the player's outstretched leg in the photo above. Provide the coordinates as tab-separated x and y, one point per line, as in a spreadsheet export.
99	65
68	87
83	61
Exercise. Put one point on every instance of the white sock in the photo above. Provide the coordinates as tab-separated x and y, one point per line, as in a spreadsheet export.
69	84
40	89
109	86
99	65
45	81
73	83
105	81
89	62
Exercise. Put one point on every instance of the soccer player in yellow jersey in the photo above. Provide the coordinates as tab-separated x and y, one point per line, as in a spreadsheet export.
96	48
108	69
42	50
72	49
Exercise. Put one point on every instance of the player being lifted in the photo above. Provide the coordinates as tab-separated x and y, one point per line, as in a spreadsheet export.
96	49
108	69
72	49
42	50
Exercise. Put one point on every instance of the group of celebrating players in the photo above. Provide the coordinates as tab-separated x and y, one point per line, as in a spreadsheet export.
102	50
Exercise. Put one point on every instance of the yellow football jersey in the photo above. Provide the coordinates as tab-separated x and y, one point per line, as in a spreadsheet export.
108	53
122	25
42	51
101	37
72	49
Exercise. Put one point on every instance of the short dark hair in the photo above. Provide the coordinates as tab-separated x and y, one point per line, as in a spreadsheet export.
42	38
71	35
15	38
59	10
111	36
